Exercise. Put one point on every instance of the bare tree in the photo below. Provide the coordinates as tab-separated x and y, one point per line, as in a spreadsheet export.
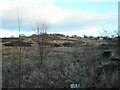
41	30
19	66
41	27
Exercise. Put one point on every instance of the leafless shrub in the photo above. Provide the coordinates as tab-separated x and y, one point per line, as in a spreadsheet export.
41	30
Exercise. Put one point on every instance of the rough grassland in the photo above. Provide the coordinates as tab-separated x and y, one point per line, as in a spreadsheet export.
62	66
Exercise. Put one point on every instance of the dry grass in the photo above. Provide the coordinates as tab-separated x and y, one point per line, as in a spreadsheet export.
62	66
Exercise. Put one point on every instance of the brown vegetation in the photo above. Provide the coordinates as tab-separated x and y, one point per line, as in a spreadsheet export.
91	65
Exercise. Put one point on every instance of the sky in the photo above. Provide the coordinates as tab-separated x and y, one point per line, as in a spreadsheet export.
69	17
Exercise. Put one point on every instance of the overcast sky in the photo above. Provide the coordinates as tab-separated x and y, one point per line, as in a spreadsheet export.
67	17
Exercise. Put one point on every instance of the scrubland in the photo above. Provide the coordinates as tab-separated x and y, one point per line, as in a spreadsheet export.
85	64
